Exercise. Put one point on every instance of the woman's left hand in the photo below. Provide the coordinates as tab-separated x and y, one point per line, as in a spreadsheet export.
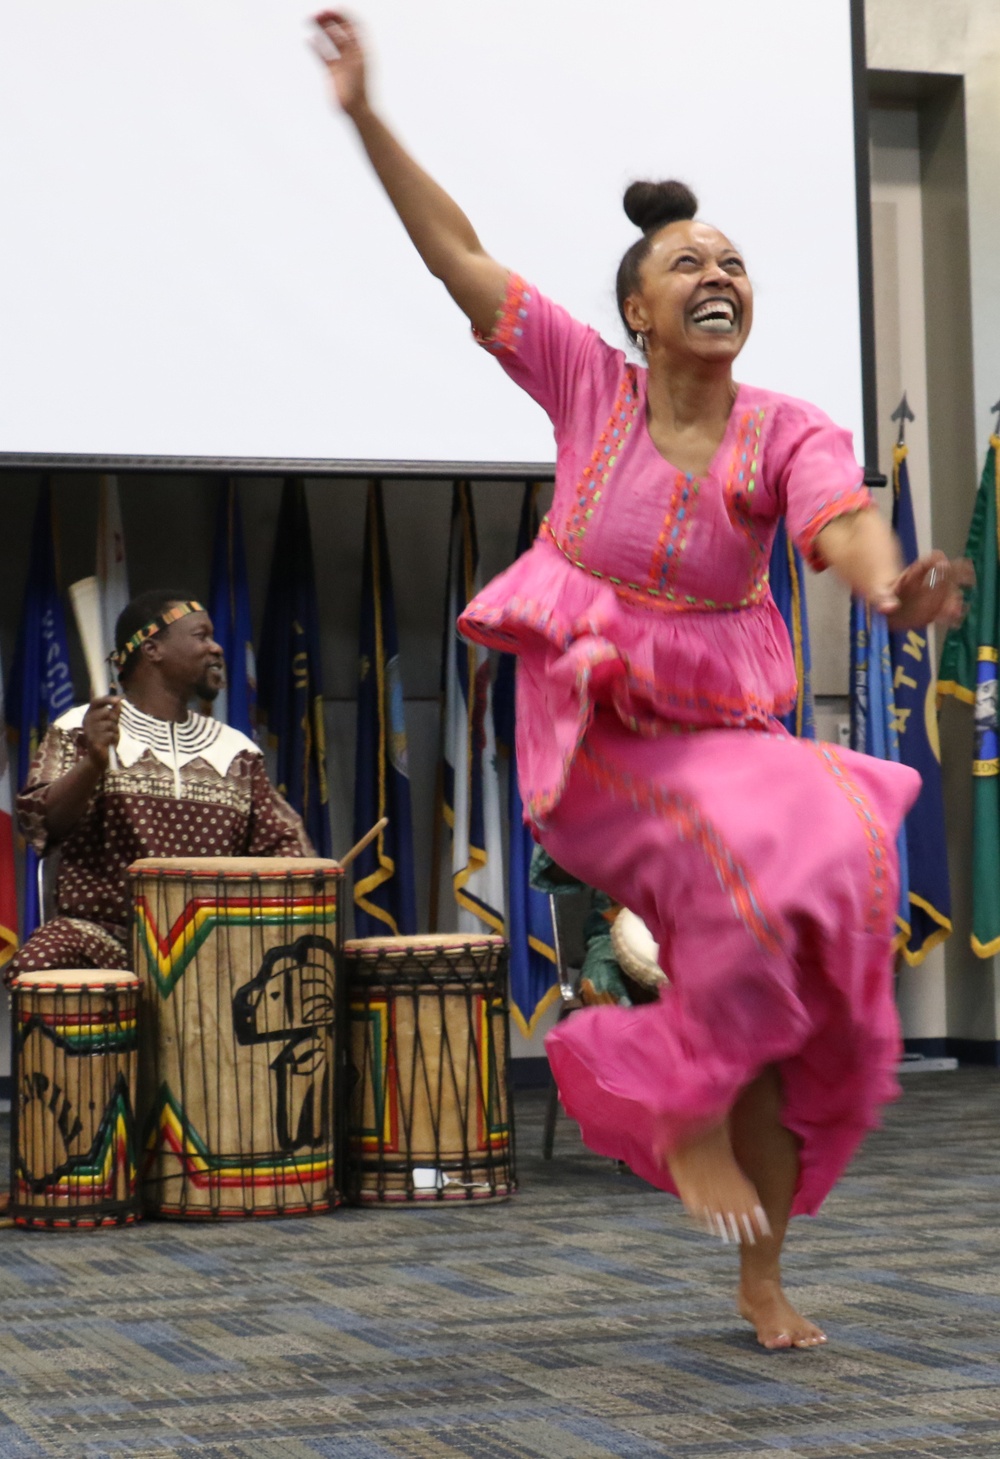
930	591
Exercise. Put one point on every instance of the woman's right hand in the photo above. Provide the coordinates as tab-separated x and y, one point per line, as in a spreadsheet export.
338	46
100	728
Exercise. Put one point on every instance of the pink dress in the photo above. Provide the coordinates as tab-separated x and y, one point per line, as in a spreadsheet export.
652	661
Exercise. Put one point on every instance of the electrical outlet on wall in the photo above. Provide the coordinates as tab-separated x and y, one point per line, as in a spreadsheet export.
844	733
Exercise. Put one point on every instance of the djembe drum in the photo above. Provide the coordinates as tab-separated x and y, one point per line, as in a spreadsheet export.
73	1145
429	1112
242	1051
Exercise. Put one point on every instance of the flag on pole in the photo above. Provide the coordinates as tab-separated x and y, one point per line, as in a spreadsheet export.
969	673
873	721
112	572
915	693
229	609
787	576
384	894
534	976
289	679
41	686
8	875
470	791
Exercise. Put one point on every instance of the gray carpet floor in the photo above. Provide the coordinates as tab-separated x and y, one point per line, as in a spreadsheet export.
581	1320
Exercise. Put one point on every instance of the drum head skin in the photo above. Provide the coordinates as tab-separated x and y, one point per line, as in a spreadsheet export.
636	951
421	942
239	866
77	979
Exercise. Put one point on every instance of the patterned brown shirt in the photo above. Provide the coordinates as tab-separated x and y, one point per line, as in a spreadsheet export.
195	788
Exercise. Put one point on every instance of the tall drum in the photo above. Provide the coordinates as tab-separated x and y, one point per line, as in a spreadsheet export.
430	1114
242	1063
73	1146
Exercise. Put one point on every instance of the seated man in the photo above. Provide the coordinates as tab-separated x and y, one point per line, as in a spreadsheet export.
179	784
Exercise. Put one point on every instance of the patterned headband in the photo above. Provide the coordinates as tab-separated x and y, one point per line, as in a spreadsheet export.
180	610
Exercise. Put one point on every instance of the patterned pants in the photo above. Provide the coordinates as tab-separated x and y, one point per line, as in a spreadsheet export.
68	942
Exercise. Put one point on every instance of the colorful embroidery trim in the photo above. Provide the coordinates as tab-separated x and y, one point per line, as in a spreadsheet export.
510	318
880	913
643	595
604	458
857	499
691	825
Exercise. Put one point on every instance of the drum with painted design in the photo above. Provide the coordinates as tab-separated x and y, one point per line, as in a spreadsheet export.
242	1065
430	1113
73	1141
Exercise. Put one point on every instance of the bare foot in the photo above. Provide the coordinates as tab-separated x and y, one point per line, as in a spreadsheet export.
777	1324
714	1189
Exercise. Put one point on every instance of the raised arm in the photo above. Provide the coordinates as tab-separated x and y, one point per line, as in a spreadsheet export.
440	231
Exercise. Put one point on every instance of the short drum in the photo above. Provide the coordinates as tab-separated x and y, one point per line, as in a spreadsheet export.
73	1141
429	1115
242	1055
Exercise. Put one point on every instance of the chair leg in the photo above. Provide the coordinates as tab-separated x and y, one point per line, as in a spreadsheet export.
551	1112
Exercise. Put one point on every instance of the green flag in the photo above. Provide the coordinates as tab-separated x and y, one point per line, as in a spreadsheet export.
969	672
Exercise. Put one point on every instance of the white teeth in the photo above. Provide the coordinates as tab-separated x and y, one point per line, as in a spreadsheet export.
715	314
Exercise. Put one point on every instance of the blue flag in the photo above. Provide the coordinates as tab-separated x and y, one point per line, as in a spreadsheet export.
289	680
384	893
788	590
534	984
229	609
873	720
915	690
470	790
41	686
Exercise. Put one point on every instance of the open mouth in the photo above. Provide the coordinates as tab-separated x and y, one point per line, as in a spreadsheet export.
715	316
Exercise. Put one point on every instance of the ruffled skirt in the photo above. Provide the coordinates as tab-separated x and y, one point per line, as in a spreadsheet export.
765	867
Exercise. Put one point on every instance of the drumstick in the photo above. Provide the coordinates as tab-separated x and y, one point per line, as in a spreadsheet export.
85	595
366	839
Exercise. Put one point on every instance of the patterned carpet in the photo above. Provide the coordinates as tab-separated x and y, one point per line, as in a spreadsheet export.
579	1321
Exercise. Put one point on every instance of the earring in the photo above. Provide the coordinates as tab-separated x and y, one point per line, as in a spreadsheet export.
640	340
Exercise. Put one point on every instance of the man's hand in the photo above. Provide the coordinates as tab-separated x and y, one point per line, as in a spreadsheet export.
100	728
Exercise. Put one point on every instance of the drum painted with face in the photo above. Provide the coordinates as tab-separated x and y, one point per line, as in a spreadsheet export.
238	1096
73	1143
429	1113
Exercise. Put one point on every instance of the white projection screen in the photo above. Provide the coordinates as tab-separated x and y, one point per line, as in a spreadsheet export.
198	262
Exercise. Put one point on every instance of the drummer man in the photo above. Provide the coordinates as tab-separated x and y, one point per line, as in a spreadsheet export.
176	784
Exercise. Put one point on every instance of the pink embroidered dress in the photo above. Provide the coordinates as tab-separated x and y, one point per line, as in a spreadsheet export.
652	661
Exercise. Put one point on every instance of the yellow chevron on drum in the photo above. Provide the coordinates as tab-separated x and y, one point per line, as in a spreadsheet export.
239	1092
429	1116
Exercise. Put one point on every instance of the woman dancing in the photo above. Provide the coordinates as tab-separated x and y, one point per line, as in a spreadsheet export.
652	664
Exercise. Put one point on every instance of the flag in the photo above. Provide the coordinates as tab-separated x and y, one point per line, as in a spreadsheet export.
470	791
8	875
112	573
534	976
289	679
969	672
788	591
384	894
41	686
873	721
229	609
915	693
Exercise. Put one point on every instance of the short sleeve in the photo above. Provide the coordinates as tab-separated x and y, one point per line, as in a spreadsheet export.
58	752
819	477
542	347
275	829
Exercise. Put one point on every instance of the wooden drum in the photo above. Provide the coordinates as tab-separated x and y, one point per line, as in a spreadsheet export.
73	1145
429	1114
241	1045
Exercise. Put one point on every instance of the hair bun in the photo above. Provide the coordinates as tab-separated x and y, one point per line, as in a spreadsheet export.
655	204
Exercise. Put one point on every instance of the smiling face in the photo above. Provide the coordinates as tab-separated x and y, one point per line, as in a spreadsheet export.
188	657
694	299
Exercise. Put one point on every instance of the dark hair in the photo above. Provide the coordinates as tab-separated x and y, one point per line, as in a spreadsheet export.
650	206
138	613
